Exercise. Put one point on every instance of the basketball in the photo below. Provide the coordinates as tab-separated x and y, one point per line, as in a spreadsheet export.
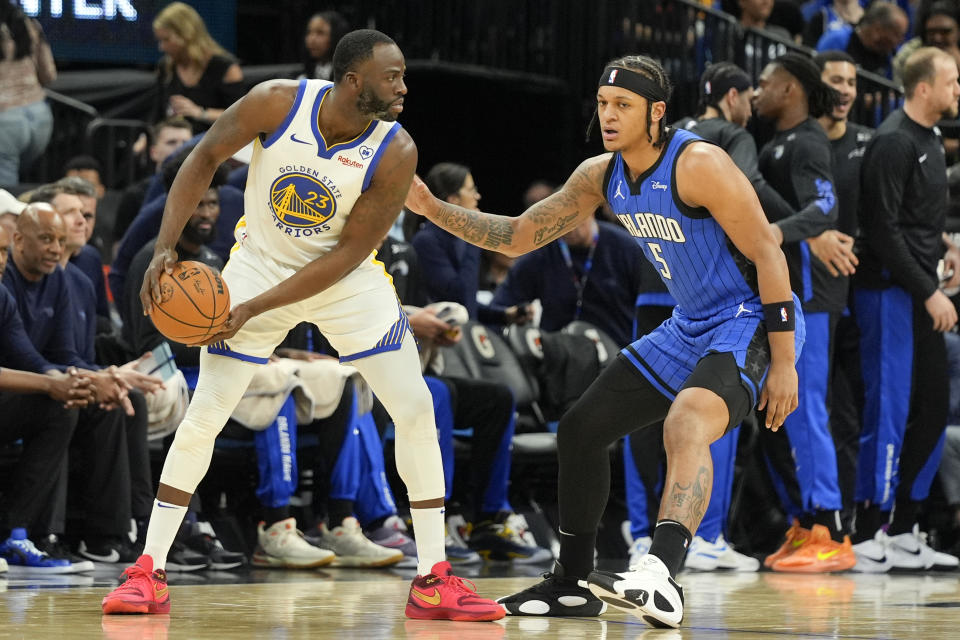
194	303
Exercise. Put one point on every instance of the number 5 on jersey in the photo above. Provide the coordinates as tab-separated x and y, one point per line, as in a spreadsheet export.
658	256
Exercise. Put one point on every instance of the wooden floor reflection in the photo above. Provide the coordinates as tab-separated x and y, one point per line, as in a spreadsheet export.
369	605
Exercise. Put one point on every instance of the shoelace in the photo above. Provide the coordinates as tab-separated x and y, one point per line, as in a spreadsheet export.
28	546
460	584
130	574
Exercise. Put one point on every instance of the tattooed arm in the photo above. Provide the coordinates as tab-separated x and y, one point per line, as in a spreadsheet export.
513	236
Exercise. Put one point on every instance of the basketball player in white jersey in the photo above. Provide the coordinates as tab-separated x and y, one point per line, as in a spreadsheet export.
329	174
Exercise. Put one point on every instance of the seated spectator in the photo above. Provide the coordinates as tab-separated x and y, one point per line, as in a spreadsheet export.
936	27
10	208
451	265
831	16
873	40
166	136
88	168
82	255
755	14
43	297
138	329
40	411
324	31
147	223
592	273
26	66
198	78
485	407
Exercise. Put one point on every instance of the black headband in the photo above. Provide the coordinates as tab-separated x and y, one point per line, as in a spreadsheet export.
634	82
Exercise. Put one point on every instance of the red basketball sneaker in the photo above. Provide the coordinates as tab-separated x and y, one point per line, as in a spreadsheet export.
144	591
440	595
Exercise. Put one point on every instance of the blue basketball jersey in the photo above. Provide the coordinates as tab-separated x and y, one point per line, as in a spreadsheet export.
704	272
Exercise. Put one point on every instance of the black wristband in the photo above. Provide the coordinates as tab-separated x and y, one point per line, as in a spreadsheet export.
780	316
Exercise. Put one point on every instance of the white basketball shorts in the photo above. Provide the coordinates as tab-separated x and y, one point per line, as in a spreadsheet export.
360	315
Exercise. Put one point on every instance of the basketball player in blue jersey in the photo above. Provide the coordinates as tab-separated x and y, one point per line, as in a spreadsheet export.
731	342
329	173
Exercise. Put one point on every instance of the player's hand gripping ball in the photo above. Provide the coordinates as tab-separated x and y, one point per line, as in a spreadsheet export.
194	303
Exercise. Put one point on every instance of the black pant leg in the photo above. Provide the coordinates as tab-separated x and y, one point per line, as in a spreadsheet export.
138	453
100	471
487	408
45	428
929	404
846	406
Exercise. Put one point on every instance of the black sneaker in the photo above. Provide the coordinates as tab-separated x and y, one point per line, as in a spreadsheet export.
108	549
555	595
498	542
55	548
183	559
204	541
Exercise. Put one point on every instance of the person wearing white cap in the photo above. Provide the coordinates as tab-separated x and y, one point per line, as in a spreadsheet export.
10	207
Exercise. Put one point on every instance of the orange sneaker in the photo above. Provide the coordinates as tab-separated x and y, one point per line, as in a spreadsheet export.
820	554
144	591
796	536
440	595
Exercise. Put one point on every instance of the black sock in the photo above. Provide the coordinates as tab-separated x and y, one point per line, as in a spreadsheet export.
273	515
905	513
830	520
807	520
375	524
338	511
670	542
867	520
576	553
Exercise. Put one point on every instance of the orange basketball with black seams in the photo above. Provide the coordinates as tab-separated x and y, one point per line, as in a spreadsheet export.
194	303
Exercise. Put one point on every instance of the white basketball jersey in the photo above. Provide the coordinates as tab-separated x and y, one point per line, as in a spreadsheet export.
300	190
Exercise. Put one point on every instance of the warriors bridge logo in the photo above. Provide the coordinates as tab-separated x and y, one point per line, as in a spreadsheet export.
302	203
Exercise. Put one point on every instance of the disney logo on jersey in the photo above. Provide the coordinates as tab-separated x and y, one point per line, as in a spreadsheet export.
301	204
652	225
658	185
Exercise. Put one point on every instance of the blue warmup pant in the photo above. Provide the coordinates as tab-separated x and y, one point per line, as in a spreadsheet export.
277	457
905	380
808	428
443	415
359	474
641	510
497	479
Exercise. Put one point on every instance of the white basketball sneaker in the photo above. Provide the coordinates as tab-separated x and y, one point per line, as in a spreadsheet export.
911	551
719	555
646	591
282	545
352	548
873	555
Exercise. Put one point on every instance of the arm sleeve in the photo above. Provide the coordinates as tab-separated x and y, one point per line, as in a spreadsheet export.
15	347
887	165
813	184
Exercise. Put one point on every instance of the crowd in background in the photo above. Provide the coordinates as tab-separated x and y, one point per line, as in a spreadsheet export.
91	392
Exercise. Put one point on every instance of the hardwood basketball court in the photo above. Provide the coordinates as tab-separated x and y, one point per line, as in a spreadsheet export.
343	603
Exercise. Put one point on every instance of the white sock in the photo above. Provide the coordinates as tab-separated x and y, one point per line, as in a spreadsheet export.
165	521
428	527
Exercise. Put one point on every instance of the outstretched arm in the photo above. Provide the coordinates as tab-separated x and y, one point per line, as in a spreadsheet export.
513	236
708	178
